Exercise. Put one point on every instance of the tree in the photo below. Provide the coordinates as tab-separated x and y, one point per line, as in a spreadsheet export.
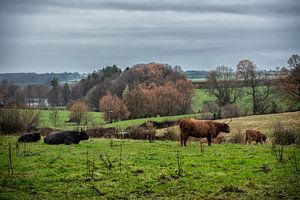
136	101
79	112
168	100
289	79
222	87
29	93
260	88
113	108
54	117
187	92
55	96
66	93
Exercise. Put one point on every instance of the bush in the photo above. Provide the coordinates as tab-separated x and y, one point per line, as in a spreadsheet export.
79	112
230	110
238	138
102	132
210	110
113	108
15	120
284	136
169	135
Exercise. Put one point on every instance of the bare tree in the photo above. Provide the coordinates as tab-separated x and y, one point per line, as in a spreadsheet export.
79	112
289	79
222	87
258	84
113	108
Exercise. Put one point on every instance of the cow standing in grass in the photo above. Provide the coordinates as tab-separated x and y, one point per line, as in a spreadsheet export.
200	129
66	137
254	135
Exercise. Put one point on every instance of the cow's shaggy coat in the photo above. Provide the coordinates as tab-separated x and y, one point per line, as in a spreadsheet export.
200	129
254	135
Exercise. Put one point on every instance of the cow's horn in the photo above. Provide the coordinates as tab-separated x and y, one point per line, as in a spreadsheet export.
229	121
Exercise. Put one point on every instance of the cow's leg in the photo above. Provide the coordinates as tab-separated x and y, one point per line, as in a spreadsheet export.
209	137
185	139
181	139
68	141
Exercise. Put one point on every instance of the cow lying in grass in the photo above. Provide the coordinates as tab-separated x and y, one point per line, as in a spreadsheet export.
254	135
29	137
66	137
200	129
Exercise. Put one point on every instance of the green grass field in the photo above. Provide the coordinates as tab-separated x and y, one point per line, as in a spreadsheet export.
96	120
143	170
135	169
243	102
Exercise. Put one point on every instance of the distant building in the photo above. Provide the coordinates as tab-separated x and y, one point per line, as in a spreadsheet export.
37	103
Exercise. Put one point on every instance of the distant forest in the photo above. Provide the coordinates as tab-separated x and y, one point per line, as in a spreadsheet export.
39	79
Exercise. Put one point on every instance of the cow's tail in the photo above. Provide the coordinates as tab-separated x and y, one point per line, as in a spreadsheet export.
45	140
180	124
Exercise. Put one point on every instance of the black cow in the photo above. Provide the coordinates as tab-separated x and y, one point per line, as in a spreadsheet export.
66	137
29	137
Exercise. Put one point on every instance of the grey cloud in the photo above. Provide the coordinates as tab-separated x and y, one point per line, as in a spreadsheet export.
46	35
266	7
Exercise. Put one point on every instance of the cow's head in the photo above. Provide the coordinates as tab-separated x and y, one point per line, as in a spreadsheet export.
264	138
37	136
83	135
226	128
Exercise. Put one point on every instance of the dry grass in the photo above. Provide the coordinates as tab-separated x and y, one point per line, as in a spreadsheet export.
264	123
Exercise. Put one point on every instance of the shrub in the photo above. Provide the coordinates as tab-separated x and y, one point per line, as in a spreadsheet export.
15	120
230	110
79	112
238	138
113	108
284	136
170	134
209	110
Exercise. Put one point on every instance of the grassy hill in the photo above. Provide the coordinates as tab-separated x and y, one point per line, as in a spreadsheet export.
128	169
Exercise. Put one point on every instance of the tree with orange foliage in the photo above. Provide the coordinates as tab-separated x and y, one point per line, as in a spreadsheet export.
113	108
79	112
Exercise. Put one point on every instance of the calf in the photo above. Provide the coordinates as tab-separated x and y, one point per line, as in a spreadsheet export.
254	135
66	137
29	137
217	140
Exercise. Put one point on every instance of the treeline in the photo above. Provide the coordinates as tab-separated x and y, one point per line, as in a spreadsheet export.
143	90
38	79
148	90
264	91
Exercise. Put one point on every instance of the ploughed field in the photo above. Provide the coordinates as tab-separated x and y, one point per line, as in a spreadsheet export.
132	169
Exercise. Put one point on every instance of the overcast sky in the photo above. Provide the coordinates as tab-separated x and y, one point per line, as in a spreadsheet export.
73	35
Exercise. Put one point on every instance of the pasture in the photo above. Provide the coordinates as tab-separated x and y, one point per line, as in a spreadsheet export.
243	102
136	169
128	169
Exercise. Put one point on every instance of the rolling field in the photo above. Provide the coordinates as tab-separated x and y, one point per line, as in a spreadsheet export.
129	169
243	102
96	119
143	170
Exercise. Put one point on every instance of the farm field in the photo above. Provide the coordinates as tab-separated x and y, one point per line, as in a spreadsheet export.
136	169
141	170
244	102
